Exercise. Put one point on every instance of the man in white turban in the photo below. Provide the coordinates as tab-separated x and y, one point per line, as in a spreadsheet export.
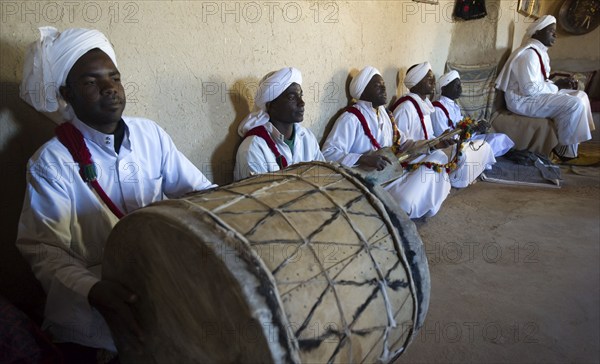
273	137
529	92
448	113
412	113
66	219
366	127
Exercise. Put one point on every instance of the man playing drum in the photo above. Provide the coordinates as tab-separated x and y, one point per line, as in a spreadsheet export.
100	166
274	139
367	127
413	117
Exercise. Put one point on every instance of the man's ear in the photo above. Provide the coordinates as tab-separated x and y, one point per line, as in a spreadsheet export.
65	92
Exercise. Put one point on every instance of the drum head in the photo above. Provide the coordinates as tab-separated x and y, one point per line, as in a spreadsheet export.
199	302
307	264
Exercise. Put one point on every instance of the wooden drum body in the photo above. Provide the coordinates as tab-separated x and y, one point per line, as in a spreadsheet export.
303	265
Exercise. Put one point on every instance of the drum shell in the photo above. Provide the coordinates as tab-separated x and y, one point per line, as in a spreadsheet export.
210	291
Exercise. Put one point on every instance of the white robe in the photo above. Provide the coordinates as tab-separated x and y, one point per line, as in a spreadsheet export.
255	157
419	193
528	93
500	143
64	224
476	157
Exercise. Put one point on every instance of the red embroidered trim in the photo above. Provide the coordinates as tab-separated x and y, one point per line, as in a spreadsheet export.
416	105
541	63
443	108
72	138
365	126
261	132
367	130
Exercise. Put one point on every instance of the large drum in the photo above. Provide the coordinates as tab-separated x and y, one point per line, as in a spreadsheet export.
304	265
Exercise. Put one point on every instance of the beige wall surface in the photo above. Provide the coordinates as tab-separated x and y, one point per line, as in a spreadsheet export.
193	66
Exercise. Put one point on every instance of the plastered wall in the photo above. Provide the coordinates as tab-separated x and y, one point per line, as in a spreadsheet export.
193	67
491	39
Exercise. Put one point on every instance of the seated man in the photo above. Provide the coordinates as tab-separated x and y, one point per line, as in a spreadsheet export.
529	92
102	165
412	113
273	137
366	127
447	114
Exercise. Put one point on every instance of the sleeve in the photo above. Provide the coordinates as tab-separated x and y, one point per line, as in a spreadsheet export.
251	159
338	146
45	240
527	70
439	122
180	176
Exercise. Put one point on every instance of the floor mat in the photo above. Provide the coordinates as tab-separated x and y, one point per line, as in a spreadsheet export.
540	174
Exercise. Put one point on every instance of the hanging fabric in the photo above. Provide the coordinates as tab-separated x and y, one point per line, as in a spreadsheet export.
469	9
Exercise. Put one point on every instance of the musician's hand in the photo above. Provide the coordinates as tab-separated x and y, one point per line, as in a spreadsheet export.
114	302
378	162
567	83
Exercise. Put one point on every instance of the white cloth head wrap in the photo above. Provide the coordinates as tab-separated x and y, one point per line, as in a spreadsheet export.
539	24
361	80
445	79
273	85
416	74
49	60
270	87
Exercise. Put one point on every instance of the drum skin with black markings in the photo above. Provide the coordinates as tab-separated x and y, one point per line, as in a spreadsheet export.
309	264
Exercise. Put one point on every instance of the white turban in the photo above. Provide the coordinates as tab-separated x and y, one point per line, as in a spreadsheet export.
416	74
49	60
361	80
445	79
539	24
269	88
273	85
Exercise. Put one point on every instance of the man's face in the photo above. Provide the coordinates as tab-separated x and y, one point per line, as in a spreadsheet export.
453	90
375	91
94	90
426	86
287	107
547	35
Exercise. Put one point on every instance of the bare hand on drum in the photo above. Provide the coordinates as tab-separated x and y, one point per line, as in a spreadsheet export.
114	303
373	161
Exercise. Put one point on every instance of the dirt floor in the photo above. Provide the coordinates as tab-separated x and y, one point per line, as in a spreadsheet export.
515	274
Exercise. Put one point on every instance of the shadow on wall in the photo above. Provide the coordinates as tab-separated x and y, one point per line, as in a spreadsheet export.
346	92
400	88
24	130
223	158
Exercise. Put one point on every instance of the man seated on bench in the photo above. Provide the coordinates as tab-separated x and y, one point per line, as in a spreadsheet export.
529	92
